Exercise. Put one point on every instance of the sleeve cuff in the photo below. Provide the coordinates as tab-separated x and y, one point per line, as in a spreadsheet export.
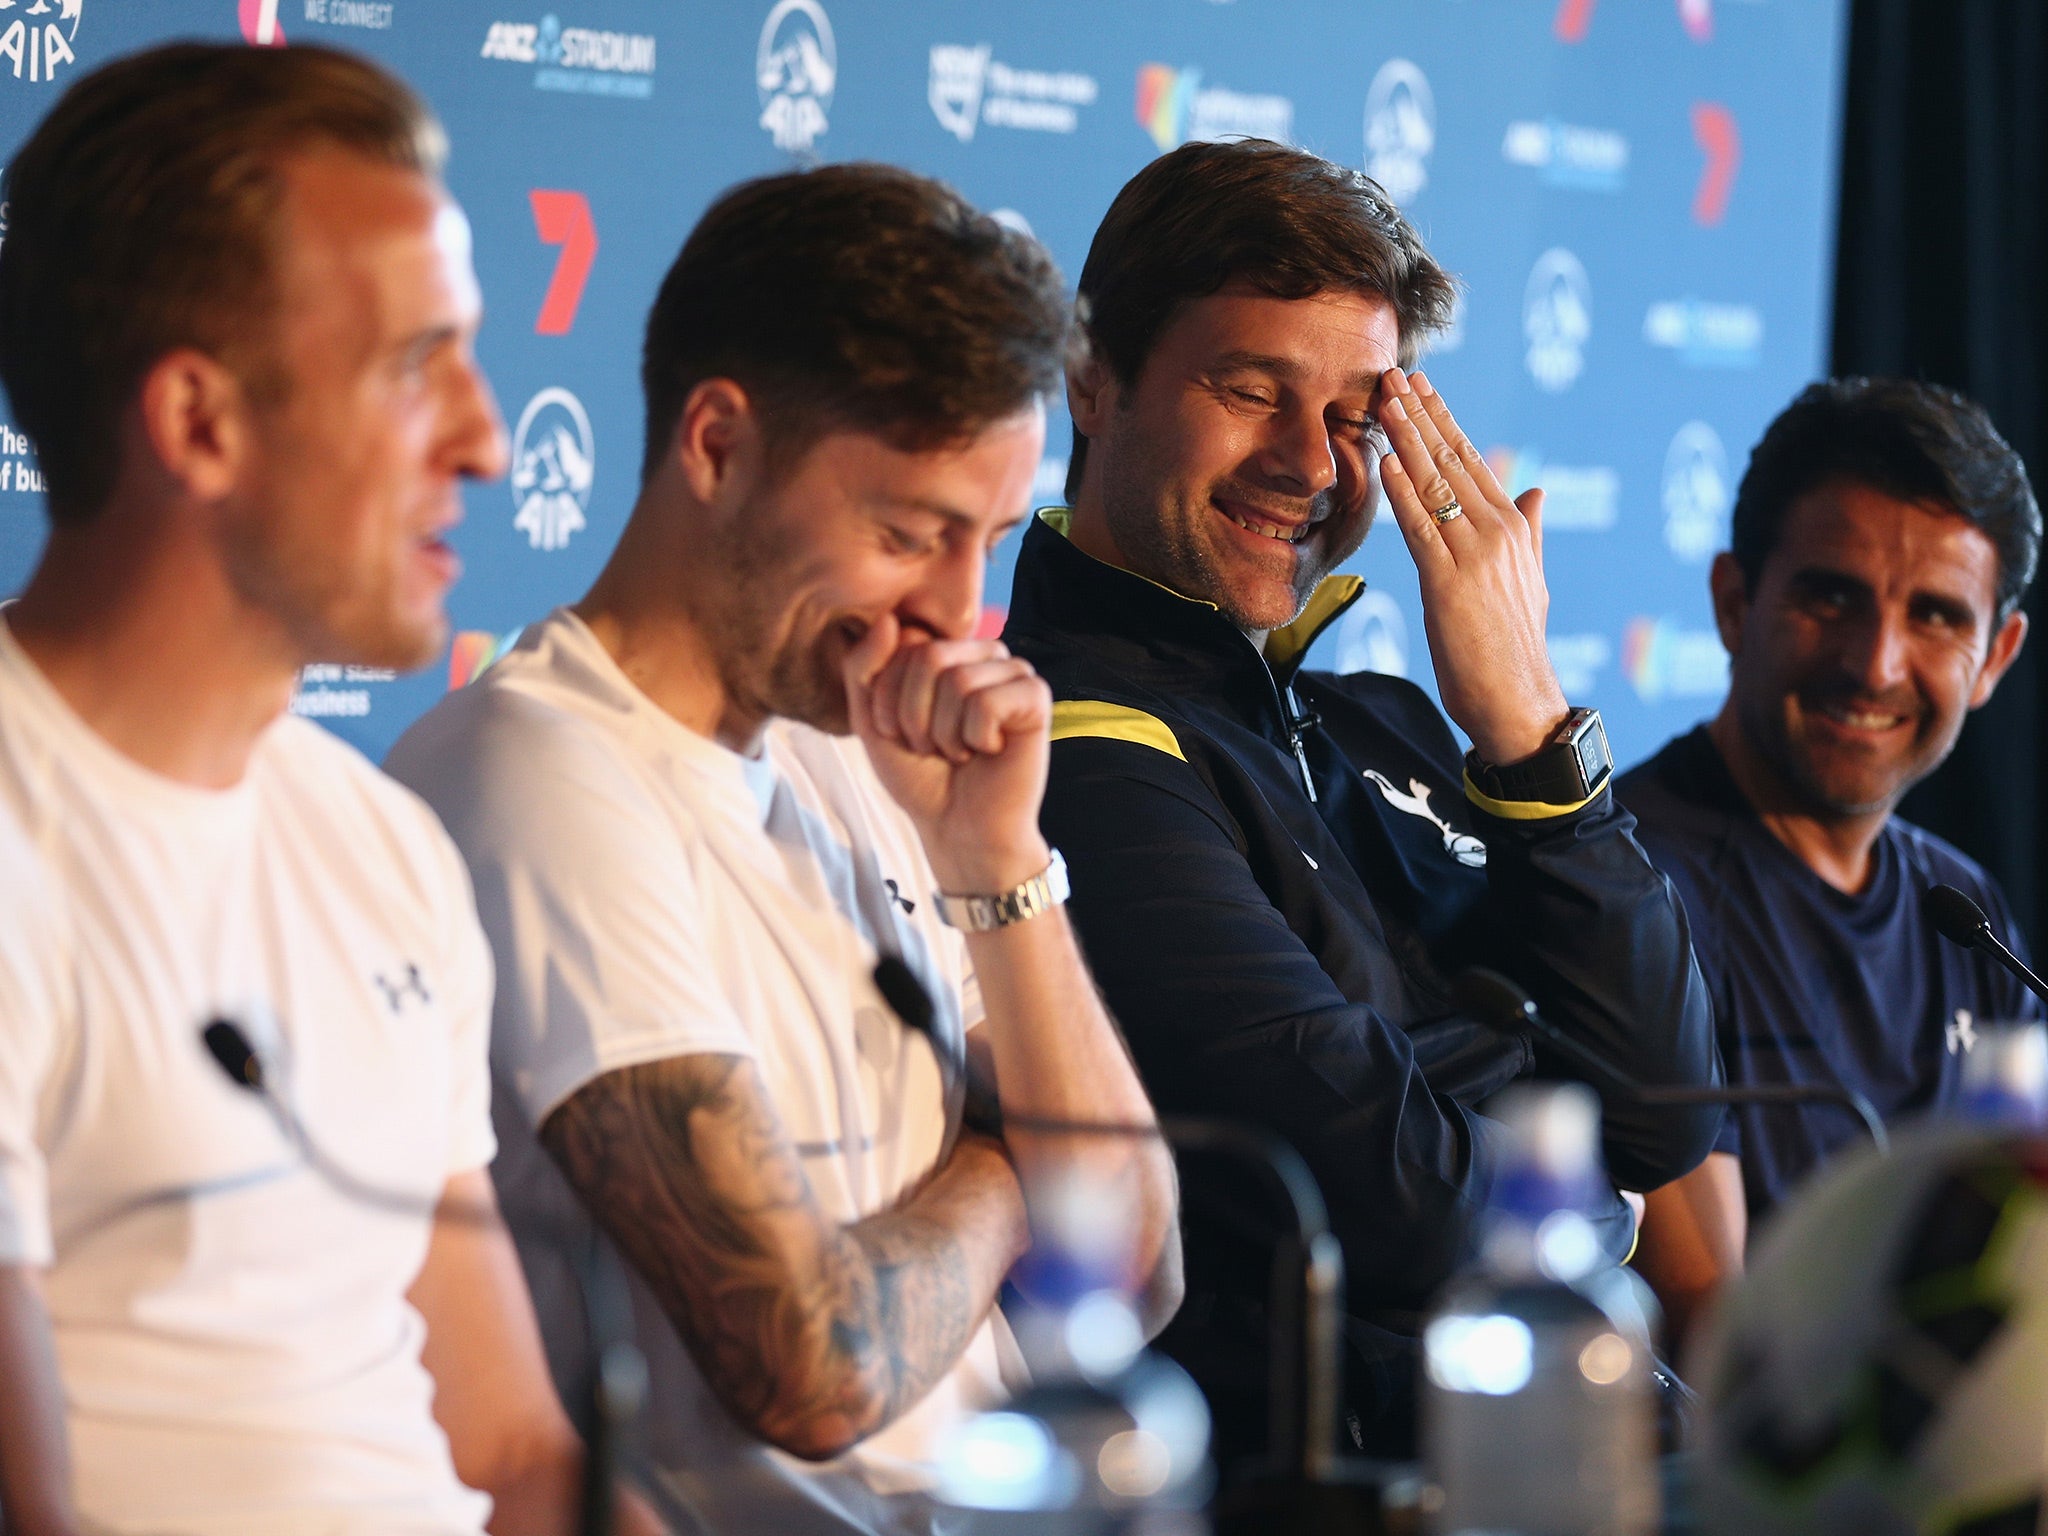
1525	810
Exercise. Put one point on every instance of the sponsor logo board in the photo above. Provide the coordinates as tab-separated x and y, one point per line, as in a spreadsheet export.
329	692
1662	659
1557	319
1176	108
580	60
363	15
796	72
554	464
38	42
1373	636
1697	493
1706	335
969	87
1578	661
473	651
1400	129
1577	498
563	218
1568	154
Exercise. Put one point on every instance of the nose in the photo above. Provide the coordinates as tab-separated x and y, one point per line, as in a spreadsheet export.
1295	456
947	601
1875	652
476	431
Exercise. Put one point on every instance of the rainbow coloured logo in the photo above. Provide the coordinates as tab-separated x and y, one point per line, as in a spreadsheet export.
1163	96
473	652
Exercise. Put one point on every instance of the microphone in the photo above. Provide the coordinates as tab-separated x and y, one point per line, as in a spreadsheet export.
1961	921
1502	1005
619	1382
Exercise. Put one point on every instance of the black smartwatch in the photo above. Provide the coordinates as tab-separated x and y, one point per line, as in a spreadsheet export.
1572	767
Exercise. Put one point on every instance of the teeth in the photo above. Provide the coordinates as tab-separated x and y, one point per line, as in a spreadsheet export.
1285	535
1865	720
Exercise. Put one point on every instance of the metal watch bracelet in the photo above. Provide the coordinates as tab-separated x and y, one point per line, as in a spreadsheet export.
1045	890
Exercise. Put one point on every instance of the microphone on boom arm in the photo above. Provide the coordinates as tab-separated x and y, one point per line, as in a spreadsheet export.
1502	1005
1961	921
619	1374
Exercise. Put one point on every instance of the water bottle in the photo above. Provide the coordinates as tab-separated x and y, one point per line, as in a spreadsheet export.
1538	1410
1109	1439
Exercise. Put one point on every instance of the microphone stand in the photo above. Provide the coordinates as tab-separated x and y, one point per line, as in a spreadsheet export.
1499	1002
618	1384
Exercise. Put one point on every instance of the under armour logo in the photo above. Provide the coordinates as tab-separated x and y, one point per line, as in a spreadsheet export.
1960	1033
896	895
410	984
1462	846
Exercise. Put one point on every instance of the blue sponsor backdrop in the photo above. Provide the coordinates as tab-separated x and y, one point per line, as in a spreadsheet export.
1637	194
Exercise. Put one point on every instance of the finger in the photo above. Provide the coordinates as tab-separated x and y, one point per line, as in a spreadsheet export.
917	691
1401	415
958	686
1476	468
1530	505
1425	540
1454	480
860	666
998	715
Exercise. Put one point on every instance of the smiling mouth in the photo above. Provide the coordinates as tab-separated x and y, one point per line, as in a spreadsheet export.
1285	533
1861	718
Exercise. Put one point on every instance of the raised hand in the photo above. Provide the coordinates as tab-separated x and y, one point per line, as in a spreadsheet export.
958	731
1484	602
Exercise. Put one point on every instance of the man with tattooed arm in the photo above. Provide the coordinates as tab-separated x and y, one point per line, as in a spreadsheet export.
703	803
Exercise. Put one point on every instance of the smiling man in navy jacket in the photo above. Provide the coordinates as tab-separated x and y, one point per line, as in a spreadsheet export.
1279	874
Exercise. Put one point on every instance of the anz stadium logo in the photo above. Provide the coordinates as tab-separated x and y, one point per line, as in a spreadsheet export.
796	69
554	461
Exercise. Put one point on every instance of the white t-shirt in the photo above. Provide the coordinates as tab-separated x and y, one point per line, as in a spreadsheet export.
650	894
237	1353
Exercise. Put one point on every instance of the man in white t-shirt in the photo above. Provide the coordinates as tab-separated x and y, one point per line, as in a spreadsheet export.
704	803
236	317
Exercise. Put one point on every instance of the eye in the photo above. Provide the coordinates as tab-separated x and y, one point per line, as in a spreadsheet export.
1250	397
901	541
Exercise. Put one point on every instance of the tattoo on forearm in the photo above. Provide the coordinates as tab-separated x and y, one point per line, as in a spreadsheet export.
812	1333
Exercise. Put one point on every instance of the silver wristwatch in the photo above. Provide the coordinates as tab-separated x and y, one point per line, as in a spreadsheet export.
981	914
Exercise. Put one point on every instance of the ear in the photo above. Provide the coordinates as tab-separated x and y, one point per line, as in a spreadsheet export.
1091	391
195	420
1730	591
2004	651
717	446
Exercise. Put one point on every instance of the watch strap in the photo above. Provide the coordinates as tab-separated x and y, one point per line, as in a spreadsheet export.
1573	768
1045	890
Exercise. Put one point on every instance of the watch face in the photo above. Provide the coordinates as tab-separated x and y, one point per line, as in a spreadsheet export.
1591	745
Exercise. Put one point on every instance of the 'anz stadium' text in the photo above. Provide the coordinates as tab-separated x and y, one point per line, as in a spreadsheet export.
578	59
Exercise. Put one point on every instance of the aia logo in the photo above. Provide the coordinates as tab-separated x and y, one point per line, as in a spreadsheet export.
260	26
554	463
37	47
563	218
796	70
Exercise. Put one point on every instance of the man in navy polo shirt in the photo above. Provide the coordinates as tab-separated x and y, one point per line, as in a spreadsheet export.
1883	537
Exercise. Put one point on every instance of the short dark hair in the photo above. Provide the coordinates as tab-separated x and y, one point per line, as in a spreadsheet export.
1913	441
142	217
1248	210
859	297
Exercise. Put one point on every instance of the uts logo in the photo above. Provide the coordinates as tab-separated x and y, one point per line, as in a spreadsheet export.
1557	319
1696	492
1175	109
554	460
796	68
1662	660
473	652
39	47
1373	636
1400	129
260	26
